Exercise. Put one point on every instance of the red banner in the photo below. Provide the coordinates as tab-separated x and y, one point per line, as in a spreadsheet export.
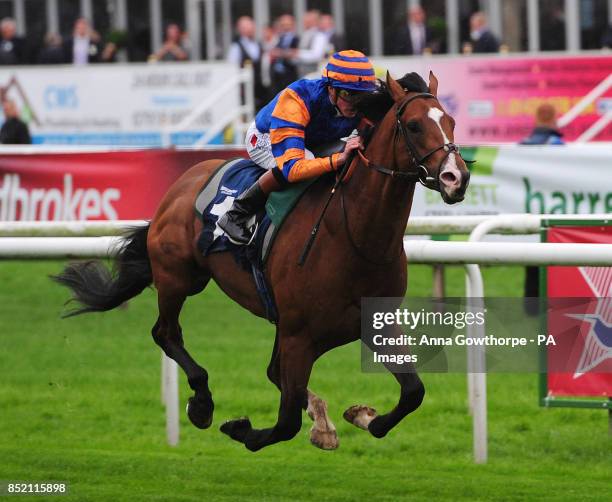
584	328
120	185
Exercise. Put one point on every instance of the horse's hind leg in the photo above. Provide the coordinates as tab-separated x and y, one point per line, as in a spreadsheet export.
172	291
296	359
323	432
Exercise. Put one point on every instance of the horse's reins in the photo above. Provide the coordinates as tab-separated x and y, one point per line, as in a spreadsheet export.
421	175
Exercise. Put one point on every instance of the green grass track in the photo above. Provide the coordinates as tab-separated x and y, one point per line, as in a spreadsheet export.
80	403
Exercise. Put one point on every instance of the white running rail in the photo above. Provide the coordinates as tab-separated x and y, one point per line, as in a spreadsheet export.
417	251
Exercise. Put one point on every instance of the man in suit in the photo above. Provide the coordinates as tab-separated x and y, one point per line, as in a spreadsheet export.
283	69
247	50
483	40
12	47
82	47
414	37
313	45
336	41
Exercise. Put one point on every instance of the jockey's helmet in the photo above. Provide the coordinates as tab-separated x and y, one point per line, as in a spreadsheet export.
351	70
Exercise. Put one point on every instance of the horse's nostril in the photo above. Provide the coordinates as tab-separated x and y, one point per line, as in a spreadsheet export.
449	178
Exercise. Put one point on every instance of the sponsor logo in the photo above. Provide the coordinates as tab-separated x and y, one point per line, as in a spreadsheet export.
450	103
61	97
64	203
566	202
604	105
227	191
481	109
598	340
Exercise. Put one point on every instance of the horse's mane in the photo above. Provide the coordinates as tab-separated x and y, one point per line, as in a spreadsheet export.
374	106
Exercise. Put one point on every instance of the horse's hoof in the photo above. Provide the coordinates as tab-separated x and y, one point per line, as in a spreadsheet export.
377	428
326	440
237	429
360	416
200	412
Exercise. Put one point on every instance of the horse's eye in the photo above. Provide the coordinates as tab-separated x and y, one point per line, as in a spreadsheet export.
413	126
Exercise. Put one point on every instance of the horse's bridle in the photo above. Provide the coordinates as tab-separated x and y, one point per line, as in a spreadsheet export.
421	174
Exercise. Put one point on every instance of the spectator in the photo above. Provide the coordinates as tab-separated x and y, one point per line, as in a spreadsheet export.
336	42
12	47
313	44
14	131
52	52
552	31
109	50
284	69
483	40
83	46
173	49
269	41
247	50
415	37
545	132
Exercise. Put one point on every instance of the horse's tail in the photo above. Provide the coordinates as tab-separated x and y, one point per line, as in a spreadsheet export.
96	288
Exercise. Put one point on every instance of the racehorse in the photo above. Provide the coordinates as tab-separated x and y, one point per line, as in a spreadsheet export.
358	253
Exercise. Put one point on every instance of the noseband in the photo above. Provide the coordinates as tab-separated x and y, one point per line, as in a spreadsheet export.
421	174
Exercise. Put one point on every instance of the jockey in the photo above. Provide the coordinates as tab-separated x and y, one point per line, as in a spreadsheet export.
306	115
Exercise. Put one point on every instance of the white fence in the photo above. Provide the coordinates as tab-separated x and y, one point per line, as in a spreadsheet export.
99	243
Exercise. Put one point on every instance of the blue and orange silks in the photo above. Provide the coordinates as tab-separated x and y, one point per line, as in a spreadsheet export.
302	117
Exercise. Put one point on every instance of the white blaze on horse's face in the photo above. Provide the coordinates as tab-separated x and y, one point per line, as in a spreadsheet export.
450	176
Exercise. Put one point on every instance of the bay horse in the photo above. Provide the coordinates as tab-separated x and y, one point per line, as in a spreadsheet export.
358	253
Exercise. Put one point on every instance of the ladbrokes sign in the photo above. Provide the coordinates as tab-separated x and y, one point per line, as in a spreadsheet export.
91	186
64	203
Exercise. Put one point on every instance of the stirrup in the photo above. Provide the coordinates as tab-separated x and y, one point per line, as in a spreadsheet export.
253	234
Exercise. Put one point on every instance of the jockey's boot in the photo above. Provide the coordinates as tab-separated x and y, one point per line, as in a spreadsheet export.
235	222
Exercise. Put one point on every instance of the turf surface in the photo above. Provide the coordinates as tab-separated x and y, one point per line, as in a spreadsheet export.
80	403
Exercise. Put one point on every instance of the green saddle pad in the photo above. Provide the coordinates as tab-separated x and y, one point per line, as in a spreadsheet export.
280	204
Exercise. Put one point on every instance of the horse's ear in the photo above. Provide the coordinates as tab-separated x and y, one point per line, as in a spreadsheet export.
397	93
433	84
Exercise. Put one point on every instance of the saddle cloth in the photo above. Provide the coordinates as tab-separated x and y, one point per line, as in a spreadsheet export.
215	198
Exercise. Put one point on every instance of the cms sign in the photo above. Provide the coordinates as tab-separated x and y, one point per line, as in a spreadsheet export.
61	97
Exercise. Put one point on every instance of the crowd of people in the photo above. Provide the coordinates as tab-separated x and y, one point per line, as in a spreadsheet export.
413	35
282	56
283	53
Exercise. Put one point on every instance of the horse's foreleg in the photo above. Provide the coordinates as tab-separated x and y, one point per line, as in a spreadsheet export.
323	432
412	393
168	335
296	360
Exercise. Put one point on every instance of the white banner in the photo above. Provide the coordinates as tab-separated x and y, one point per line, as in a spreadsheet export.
569	179
132	104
